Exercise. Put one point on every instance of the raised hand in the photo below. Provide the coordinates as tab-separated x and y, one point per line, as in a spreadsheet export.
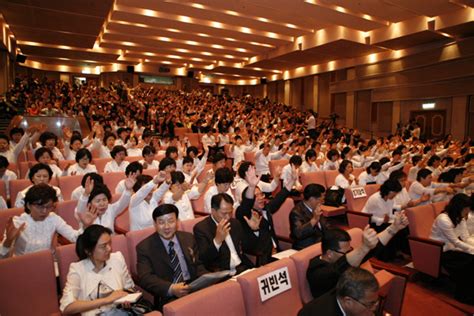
130	181
369	237
251	177
12	233
89	186
222	230
88	218
254	221
400	221
160	177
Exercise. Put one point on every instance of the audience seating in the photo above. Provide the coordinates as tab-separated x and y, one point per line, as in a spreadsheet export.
220	299
29	285
132	158
317	177
198	204
150	172
194	139
357	172
133	239
204	172
122	223
63	164
180	132
17	186
355	217
330	176
68	184
159	157
100	163
3	190
66	211
426	253
439	207
250	156
13	167
285	303
111	179
188	225
301	260
5	216
281	223
274	164
23	168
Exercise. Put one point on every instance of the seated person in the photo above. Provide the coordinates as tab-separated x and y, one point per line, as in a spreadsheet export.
181	193
222	181
133	168
220	237
39	173
34	230
148	161
309	163
402	200
356	293
345	179
100	277
240	182
424	185
118	163
50	140
306	223
6	175
11	152
76	194
290	173
45	156
450	228
83	164
338	255
167	259
372	174
264	240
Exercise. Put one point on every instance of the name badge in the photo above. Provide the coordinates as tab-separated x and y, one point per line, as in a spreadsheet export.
358	193
274	283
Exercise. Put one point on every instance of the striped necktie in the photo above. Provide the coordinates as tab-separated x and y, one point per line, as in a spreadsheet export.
177	273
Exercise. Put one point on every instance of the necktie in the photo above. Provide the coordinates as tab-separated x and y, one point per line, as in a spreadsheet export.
177	273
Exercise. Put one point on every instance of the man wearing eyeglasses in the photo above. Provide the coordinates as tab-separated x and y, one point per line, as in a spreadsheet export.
356	294
338	255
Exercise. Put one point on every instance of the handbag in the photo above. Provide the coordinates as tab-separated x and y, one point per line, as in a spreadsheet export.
140	307
334	197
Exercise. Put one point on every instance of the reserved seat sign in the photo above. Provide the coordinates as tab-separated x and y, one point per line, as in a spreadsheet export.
274	283
358	192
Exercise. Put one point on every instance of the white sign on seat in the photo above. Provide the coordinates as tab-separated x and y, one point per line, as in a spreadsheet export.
274	283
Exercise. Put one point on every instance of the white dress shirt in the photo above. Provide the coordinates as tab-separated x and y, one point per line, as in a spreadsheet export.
77	170
20	198
155	164
330	165
288	176
38	235
365	177
401	199
104	151
378	207
76	194
112	166
7	177
454	238
238	153
234	256
417	190
12	152
308	167
3	204
184	205
343	183
210	193
83	283
240	185
262	162
140	211
113	210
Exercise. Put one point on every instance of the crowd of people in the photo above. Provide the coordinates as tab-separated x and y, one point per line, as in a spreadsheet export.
239	195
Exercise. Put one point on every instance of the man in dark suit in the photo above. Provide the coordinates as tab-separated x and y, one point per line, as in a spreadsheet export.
306	223
220	237
167	259
355	295
263	243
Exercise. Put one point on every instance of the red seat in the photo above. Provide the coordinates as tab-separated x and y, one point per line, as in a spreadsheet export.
220	299
112	179
285	303
66	211
68	184
301	260
100	163
17	186
439	207
330	176
67	254
13	167
313	177
188	224
198	204
122	223
249	156
150	172
133	239
5	216
132	158
63	164
3	190
23	168
354	214
28	285
425	252
357	172
202	175
281	223
194	139
181	132
274	164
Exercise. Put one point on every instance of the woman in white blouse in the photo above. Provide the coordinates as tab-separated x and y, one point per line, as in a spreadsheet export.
332	162
98	279
309	163
107	145
372	174
132	147
458	249
118	164
45	155
33	230
82	165
402	200
345	179
39	173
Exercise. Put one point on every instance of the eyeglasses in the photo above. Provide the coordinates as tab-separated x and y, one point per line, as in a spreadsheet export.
343	252
370	306
43	207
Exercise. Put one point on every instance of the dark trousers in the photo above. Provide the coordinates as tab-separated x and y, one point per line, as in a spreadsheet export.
399	242
460	266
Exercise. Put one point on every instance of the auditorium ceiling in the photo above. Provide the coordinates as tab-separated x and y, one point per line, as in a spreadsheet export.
232	39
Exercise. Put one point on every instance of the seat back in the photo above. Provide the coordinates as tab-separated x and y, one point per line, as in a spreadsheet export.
23	168
202	175
5	216
68	184
358	204
133	239
3	190
274	164
420	219
100	163
313	177
438	207
122	222
198	204
29	285
150	172
181	132
188	225
301	260
66	211
132	158
222	299
17	186
285	303
63	164
194	139
281	219
111	179
330	176
357	172
249	156
67	255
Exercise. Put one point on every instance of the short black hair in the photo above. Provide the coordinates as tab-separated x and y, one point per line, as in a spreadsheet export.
218	198
192	149
4	162
16	130
177	177
87	241
296	160
343	165
455	206
165	162
332	153
188	159
141	180
147	150
422	173
397	175
98	189
41	151
416	159
218	157
313	190
94	176
390	186
39	194
38	167
375	165
354	282
133	167
83	152
118	149
170	150
244	166
331	238
107	135
164	209
310	153
45	136
224	175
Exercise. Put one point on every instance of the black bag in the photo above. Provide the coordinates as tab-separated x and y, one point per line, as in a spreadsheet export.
140	307
334	197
